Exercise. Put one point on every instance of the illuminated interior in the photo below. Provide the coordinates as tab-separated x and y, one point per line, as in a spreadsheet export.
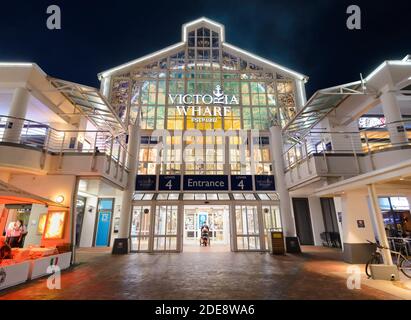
196	68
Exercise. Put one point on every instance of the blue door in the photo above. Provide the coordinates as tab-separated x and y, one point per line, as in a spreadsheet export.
104	222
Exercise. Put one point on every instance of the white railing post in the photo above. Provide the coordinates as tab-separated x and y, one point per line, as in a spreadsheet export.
110	156
61	151
357	162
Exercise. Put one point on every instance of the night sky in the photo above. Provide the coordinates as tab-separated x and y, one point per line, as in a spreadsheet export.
310	37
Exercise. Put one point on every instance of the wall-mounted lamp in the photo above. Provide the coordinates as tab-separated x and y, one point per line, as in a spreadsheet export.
60	199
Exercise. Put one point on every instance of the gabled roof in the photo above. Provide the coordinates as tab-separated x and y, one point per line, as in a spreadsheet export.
221	30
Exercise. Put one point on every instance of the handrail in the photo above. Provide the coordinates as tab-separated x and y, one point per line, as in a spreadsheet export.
360	142
35	134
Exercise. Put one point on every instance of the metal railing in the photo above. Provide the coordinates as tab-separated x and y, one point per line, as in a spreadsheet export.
398	244
18	131
325	143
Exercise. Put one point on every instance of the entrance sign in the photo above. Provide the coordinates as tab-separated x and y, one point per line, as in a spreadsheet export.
205	183
169	183
264	183
241	183
145	183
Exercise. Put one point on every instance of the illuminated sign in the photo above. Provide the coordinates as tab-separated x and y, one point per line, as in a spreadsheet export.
204	107
207	183
169	182
241	183
371	122
55	225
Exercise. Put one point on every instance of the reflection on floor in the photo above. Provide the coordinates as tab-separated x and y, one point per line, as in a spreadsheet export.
208	249
317	273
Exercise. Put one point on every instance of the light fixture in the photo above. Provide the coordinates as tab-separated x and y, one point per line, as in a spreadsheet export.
59	199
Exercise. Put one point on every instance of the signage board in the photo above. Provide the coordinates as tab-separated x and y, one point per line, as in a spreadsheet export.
264	183
205	183
241	183
169	183
145	183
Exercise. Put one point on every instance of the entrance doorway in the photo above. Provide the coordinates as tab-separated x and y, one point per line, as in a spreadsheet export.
217	218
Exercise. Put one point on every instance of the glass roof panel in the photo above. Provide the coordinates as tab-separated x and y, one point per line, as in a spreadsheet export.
200	196
173	196
148	196
188	196
212	196
138	196
223	196
263	196
249	196
238	196
162	196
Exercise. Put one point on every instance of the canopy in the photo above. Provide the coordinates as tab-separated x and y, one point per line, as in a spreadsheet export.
10	194
319	106
92	104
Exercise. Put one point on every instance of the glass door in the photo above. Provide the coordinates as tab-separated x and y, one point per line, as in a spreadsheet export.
272	220
247	228
140	228
165	228
191	228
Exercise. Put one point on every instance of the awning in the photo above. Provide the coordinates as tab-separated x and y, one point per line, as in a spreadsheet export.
10	194
92	104
320	105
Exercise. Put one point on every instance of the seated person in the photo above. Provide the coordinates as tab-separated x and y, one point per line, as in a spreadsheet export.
16	234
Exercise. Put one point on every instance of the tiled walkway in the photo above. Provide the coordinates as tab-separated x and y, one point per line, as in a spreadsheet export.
315	274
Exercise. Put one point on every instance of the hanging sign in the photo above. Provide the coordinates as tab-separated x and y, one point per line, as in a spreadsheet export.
241	183
205	183
264	183
145	183
169	183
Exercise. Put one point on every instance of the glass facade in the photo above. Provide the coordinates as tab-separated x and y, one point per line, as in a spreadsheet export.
262	95
204	111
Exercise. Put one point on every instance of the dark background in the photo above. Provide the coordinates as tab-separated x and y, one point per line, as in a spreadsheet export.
308	36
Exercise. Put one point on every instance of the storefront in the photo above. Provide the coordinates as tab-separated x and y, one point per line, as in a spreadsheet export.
35	234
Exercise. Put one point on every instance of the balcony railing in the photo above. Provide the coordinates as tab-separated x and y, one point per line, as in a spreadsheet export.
23	132
326	143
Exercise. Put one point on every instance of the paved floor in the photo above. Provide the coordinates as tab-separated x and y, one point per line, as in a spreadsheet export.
316	274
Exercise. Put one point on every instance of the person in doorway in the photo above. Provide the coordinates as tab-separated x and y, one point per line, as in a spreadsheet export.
17	234
205	234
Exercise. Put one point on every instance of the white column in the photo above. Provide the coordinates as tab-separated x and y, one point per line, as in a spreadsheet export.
392	113
125	217
276	147
18	109
357	227
376	216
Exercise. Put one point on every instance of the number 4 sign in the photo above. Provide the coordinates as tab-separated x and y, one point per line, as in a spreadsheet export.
241	183
170	183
